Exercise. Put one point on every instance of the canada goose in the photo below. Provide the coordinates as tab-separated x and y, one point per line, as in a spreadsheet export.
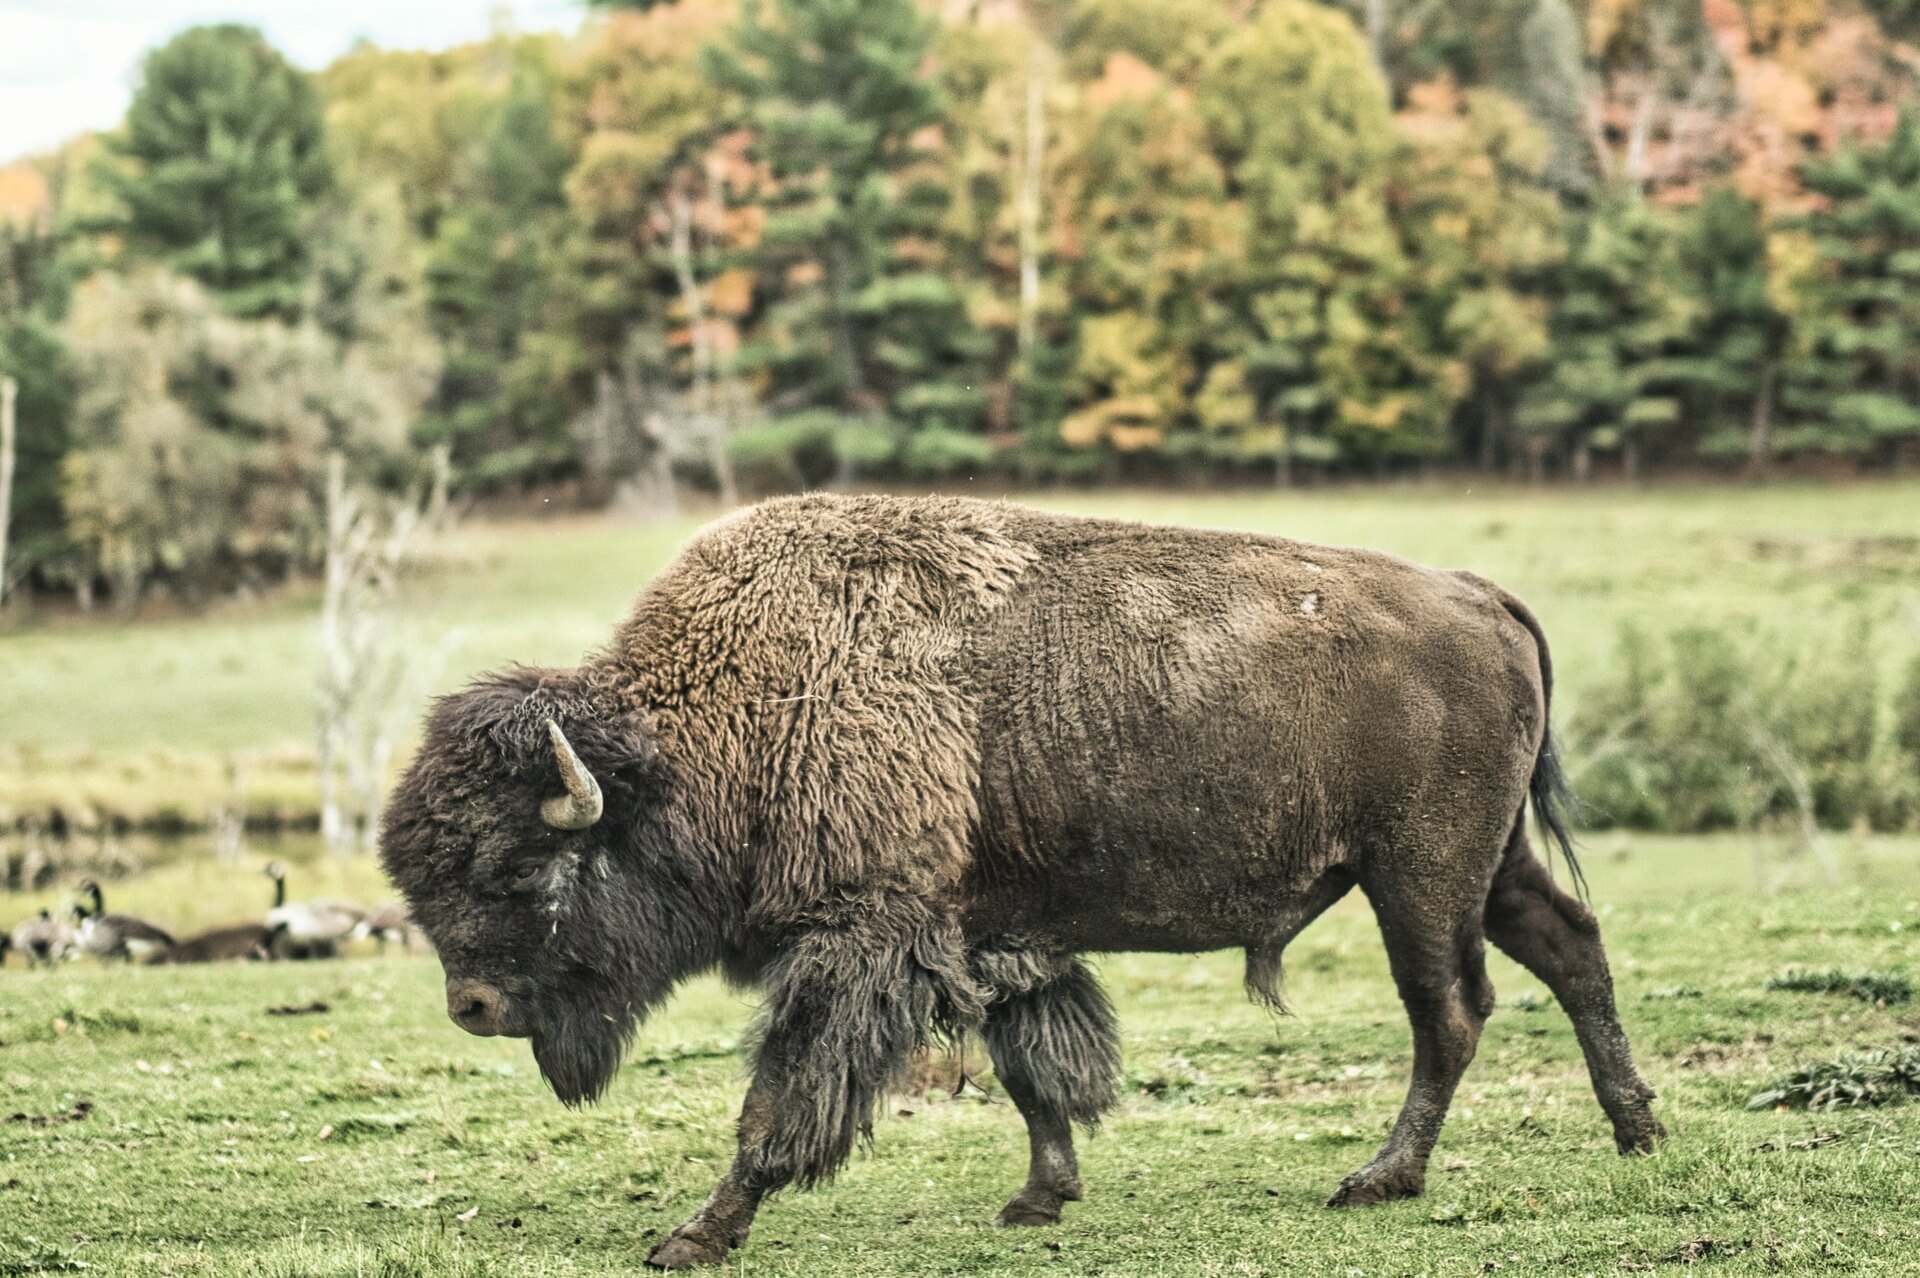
238	941
389	922
307	929
116	936
42	941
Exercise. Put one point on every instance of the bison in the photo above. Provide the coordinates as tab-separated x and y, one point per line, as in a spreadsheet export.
899	763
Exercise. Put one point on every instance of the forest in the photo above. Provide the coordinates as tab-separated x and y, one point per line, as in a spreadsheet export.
746	246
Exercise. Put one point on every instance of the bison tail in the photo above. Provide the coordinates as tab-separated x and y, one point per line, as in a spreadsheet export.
1551	795
1553	801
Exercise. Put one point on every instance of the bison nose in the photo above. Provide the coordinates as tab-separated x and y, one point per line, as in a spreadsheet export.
475	1006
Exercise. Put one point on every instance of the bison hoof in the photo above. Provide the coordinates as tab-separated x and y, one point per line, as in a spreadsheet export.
1030	1210
1639	1135
1367	1187
687	1251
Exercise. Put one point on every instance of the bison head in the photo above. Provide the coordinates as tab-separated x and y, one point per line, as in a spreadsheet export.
537	843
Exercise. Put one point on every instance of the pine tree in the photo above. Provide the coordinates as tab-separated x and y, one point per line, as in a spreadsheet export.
1729	373
1855	386
859	340
34	269
1622	313
491	270
221	157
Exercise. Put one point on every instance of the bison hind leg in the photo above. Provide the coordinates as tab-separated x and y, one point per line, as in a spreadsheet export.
1556	937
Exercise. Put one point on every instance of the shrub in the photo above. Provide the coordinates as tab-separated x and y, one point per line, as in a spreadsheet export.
1729	728
1876	1077
1884	988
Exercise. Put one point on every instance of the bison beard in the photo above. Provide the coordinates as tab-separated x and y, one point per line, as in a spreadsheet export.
578	1048
898	762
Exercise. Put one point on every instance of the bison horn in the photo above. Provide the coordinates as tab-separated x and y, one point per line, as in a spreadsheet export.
581	805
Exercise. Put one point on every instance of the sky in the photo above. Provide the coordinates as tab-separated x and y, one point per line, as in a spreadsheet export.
70	65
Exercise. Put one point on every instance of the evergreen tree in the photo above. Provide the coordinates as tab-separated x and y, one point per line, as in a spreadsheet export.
491	271
859	340
1623	311
31	353
1855	386
220	160
1730	370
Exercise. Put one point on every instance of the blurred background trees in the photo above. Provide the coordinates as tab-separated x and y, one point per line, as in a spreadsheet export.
759	244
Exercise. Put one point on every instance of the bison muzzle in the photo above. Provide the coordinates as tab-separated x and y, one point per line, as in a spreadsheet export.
898	763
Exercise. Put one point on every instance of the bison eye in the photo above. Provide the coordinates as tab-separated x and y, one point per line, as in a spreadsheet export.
524	876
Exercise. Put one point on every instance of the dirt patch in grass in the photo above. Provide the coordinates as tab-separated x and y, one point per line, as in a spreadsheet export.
78	1114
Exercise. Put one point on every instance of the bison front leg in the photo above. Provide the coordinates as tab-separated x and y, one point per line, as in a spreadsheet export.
723	1220
1056	1050
845	1010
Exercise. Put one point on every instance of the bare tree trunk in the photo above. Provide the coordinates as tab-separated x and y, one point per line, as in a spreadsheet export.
1582	460
1492	428
1379	18
1637	137
367	673
230	818
1032	170
705	402
343	525
9	391
854	382
1630	455
1760	429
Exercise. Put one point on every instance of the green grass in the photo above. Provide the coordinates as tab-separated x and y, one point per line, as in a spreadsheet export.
376	1139
104	718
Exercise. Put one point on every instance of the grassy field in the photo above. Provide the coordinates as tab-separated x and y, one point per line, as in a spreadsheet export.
103	717
374	1138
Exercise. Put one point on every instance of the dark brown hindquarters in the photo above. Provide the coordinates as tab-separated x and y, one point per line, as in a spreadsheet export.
1435	907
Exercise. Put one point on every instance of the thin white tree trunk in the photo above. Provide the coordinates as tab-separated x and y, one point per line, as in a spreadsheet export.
9	391
1379	17
1033	159
705	401
335	662
368	674
1760	429
1638	137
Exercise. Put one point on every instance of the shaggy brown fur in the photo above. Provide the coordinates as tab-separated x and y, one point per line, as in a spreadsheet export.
897	762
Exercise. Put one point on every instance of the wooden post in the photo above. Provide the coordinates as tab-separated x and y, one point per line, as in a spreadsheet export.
9	391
